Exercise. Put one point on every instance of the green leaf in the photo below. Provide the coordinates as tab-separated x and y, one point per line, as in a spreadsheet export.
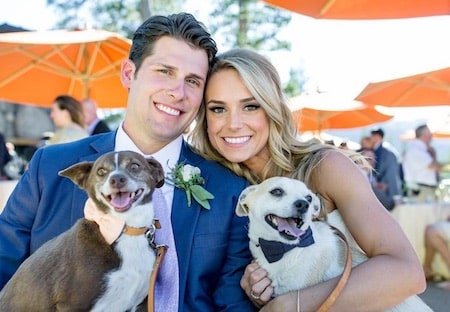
201	195
200	192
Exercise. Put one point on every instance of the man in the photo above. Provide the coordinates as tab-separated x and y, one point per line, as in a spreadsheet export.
387	171
165	76
94	125
420	166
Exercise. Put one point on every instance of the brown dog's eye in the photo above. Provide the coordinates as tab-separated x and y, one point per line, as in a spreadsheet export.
308	198
277	192
101	172
135	166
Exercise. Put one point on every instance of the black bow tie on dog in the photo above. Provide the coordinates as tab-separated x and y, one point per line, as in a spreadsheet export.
274	251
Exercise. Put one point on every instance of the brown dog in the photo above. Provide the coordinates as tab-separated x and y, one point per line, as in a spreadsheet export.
79	270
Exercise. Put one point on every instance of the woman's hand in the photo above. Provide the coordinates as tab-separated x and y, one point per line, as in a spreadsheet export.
256	284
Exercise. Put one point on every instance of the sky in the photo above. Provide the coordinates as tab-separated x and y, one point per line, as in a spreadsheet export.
338	57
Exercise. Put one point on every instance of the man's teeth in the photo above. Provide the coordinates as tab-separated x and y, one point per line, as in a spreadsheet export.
168	110
237	140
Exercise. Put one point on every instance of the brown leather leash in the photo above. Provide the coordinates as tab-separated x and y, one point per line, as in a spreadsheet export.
328	303
160	253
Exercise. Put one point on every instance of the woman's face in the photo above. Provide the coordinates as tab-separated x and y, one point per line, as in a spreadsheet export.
238	127
59	116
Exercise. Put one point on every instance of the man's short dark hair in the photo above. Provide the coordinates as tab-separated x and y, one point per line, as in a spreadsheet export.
182	26
378	131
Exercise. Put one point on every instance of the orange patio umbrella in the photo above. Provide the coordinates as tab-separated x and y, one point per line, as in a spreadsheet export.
364	9
317	112
424	89
37	66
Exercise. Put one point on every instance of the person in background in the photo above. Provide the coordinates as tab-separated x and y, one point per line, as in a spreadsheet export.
369	154
387	172
420	166
94	124
366	143
67	116
437	239
165	75
247	125
5	157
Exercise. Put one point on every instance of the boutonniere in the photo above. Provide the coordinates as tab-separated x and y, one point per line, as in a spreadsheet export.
188	178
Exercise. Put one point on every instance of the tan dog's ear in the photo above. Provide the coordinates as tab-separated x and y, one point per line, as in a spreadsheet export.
78	173
315	205
242	207
157	171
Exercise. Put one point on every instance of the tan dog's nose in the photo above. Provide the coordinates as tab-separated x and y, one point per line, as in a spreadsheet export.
301	205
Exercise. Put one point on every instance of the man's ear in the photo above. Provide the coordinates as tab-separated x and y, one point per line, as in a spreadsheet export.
127	73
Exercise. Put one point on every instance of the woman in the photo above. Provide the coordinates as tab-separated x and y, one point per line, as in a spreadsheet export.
246	125
67	115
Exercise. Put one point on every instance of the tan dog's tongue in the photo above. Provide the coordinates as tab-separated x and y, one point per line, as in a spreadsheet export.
289	226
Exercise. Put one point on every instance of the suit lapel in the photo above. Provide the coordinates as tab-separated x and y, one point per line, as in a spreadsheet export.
184	219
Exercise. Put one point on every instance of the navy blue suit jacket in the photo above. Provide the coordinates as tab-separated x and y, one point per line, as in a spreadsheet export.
387	170
212	245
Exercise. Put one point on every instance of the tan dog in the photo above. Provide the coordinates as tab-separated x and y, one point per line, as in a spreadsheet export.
78	270
295	250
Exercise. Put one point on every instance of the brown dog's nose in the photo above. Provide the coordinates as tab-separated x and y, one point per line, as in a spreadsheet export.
301	205
117	180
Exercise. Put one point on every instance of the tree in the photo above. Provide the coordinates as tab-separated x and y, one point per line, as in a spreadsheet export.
113	15
248	24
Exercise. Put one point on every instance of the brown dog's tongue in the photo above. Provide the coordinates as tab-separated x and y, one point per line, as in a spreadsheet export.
121	200
289	226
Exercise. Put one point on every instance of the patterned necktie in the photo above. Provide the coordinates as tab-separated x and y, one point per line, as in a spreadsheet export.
167	283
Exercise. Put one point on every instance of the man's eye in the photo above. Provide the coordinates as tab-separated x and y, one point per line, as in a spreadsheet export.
193	82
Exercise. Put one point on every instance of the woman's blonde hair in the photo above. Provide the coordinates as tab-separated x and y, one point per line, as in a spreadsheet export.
288	155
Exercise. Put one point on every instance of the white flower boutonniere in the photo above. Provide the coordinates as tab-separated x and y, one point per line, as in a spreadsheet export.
188	178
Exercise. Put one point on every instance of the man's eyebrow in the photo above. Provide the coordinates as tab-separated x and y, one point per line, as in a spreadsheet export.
191	75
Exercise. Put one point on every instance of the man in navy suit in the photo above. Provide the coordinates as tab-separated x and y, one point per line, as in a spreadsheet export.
387	171
165	76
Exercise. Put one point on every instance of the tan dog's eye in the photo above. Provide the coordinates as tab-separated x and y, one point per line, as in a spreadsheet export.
308	198
277	192
101	172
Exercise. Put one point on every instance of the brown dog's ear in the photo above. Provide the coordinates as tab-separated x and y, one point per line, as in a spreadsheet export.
157	171
242	208
78	173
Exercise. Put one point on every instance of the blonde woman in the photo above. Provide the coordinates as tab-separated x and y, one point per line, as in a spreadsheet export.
246	125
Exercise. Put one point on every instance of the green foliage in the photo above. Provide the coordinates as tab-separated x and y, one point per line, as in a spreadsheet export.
295	84
249	24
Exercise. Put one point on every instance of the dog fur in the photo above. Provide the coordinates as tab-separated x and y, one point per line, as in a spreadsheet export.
281	209
78	270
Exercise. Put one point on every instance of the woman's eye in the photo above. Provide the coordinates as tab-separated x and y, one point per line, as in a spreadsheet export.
251	107
216	109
